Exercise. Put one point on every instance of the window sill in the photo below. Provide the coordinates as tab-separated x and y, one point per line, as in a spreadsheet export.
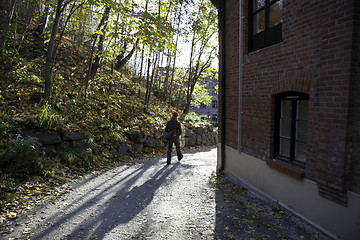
287	168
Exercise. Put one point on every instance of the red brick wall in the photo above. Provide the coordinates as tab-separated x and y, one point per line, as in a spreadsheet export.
232	74
287	66
330	140
319	56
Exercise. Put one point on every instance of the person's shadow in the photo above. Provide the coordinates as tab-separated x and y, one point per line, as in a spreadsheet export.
124	206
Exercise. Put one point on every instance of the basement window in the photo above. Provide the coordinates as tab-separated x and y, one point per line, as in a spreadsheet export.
291	124
265	23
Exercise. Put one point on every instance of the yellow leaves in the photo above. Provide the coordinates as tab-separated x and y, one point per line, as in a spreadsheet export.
11	215
315	236
248	221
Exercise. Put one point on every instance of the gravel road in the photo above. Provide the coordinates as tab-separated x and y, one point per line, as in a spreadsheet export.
149	200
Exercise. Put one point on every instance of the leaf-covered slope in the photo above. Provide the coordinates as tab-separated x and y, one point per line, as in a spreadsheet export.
113	103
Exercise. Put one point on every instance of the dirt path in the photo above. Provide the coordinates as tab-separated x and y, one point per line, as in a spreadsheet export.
149	200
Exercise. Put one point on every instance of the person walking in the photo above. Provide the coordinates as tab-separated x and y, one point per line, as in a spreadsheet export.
173	127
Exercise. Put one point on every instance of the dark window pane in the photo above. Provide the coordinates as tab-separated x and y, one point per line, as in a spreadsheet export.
274	35
266	23
259	22
302	117
286	108
285	118
285	147
291	126
302	109
258	41
300	151
257	4
276	11
285	127
301	130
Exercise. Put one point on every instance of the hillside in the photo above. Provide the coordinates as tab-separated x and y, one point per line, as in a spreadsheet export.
112	105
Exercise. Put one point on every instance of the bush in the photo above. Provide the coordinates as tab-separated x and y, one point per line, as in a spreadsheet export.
48	119
192	117
23	157
7	183
81	159
9	121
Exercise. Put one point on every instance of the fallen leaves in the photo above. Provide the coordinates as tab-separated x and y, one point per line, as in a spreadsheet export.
27	196
245	216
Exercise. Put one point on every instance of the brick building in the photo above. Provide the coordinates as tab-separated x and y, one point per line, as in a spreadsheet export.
289	105
211	110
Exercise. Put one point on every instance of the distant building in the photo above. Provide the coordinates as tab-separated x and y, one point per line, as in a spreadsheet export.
211	110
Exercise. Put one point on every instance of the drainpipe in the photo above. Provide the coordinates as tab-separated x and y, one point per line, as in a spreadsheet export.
222	78
241	45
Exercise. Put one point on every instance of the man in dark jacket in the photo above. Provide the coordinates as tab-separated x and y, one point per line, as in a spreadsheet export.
174	126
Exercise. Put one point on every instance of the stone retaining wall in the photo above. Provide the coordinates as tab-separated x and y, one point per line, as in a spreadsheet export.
77	141
58	141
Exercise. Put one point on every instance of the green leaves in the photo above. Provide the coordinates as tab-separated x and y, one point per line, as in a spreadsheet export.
48	118
200	96
23	156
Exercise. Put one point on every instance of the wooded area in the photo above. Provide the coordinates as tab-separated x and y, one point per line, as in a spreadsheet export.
102	69
142	34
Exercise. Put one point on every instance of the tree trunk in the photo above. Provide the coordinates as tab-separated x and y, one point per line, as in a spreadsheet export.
152	81
141	63
50	54
167	75
7	12
95	64
156	73
72	11
188	89
40	29
173	68
121	60
147	84
98	56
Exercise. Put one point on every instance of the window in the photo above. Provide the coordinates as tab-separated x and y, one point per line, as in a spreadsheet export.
214	103
265	23
291	121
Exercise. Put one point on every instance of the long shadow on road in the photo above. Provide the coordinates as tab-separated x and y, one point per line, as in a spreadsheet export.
125	205
148	200
118	203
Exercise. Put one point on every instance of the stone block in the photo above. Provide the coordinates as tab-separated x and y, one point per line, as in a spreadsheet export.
73	136
139	147
136	137
157	135
43	137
